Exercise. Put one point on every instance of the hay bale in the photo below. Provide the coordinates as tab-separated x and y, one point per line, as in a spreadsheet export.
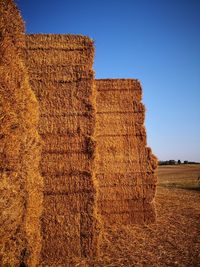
61	75
20	183
125	166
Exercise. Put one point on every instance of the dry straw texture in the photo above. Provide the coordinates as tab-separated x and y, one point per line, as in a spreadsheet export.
125	166
20	183
61	75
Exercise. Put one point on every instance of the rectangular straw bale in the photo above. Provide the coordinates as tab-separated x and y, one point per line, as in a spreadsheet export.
60	204
62	212
140	191
58	229
52	57
68	90
68	184
120	85
111	101
124	169
64	143
122	205
66	124
117	166
112	193
111	179
61	75
56	107
138	185
57	74
127	212
61	42
105	125
61	162
131	178
60	49
117	148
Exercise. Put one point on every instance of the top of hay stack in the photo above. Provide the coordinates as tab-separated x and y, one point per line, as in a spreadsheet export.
10	16
59	41
11	23
118	83
75	52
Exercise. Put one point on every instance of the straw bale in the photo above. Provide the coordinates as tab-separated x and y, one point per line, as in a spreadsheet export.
111	179
139	185
62	162
125	166
64	57
118	123
66	204
74	92
122	166
140	191
112	193
120	85
56	107
62	213
61	75
66	125
64	143
113	101
68	184
145	214
20	183
122	205
59	42
62	238
115	148
57	74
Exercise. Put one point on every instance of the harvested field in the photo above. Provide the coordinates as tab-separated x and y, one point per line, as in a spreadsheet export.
173	241
124	165
61	75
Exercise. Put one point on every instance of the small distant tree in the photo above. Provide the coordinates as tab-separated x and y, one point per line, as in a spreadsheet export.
185	161
179	162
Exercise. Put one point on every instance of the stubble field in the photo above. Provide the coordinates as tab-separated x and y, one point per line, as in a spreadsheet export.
174	240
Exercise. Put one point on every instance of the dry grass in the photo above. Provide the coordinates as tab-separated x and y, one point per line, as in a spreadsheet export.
173	241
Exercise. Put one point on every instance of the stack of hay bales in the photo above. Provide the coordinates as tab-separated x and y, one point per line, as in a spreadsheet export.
20	183
48	204
61	75
125	166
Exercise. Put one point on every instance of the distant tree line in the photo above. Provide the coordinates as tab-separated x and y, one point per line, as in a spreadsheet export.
175	162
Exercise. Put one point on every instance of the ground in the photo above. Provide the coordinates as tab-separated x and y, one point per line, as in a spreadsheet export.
174	240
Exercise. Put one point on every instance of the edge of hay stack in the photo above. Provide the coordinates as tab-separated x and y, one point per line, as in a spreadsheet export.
126	166
21	184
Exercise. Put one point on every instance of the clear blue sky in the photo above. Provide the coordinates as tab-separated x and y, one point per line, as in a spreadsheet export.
155	41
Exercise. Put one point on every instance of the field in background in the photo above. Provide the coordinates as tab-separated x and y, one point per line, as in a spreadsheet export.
173	241
180	176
